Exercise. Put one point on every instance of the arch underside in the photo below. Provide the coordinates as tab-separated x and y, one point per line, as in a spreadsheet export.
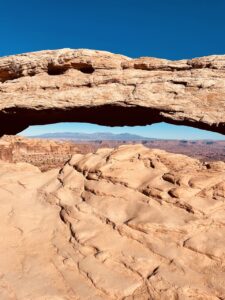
107	89
104	115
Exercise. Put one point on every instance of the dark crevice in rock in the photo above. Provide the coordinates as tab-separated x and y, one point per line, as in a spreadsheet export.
6	75
184	83
153	273
87	69
59	70
54	70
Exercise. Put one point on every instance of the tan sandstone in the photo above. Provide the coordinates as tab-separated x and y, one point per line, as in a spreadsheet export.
125	223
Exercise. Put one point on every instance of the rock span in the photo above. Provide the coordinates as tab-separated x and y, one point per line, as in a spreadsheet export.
104	88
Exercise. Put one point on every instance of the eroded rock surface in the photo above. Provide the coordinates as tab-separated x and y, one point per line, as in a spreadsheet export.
110	89
45	154
48	153
125	223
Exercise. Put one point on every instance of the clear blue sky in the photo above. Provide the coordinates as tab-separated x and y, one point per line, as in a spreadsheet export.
172	29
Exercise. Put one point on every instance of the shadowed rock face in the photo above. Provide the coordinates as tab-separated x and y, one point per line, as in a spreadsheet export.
109	89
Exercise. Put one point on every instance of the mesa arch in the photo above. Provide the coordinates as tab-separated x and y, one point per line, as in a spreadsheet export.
110	89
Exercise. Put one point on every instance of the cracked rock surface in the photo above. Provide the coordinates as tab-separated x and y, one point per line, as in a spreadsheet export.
125	223
101	87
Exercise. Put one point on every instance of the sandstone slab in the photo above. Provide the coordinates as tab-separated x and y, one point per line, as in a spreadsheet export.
125	223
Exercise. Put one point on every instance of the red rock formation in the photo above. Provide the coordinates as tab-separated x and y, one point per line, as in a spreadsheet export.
45	154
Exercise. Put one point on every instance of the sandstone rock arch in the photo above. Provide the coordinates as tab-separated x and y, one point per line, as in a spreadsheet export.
109	89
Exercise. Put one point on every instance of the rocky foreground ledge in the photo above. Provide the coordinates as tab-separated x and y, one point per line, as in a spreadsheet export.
110	89
125	223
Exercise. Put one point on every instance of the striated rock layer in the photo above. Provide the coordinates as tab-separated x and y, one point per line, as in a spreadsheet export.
125	223
45	154
110	89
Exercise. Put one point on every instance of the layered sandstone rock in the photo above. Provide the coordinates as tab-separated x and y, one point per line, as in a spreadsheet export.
45	154
105	88
125	223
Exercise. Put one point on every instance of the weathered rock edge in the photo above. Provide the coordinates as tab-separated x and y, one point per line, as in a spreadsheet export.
109	89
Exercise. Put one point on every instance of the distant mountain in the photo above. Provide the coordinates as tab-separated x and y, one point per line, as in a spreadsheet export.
91	136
